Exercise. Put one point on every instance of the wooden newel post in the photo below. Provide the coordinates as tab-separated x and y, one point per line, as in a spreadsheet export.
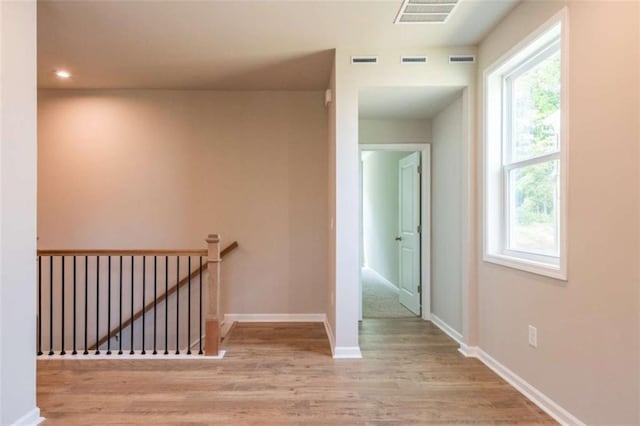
212	311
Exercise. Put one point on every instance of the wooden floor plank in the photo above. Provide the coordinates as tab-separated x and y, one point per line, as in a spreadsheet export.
280	374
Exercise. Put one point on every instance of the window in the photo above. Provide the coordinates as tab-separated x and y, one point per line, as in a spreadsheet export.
525	154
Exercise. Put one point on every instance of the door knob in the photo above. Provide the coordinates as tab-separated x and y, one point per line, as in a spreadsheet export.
398	238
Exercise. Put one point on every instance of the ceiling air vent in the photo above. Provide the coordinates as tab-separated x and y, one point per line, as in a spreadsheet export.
462	59
364	59
425	11
413	59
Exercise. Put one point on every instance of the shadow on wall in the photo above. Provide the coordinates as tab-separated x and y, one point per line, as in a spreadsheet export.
299	72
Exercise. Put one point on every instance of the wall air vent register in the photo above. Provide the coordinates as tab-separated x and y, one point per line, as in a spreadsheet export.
364	59
462	59
413	59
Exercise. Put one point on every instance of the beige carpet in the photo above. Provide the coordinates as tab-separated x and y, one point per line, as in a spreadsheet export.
380	299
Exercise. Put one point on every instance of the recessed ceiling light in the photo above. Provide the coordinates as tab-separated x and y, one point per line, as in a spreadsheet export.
63	74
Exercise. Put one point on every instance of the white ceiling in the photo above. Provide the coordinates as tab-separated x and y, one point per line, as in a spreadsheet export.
239	44
406	103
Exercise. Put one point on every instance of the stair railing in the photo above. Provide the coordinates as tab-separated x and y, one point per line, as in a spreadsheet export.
130	301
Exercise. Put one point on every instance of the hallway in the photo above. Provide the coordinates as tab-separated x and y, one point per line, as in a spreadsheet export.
380	298
284	374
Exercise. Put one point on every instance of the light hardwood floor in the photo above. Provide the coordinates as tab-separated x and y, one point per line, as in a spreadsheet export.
284	374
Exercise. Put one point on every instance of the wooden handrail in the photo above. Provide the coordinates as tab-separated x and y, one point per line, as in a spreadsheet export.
231	247
124	252
160	298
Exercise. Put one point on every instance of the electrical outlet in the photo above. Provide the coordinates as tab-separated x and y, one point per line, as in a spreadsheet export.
533	336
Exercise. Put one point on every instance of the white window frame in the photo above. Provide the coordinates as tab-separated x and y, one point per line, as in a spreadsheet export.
497	163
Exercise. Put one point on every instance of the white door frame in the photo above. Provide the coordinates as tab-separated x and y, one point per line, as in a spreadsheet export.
425	195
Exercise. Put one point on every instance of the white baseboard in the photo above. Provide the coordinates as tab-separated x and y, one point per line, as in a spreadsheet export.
549	406
332	339
468	351
275	317
138	355
32	418
341	352
381	278
450	331
347	352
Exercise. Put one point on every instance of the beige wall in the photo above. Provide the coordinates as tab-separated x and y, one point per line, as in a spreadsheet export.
162	169
331	183
587	355
18	212
380	131
447	214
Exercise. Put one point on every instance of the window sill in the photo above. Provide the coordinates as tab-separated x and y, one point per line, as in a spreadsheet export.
539	268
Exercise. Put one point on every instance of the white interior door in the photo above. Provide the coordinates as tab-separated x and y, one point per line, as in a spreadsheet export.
409	235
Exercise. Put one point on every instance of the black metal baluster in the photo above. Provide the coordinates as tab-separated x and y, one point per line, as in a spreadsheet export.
86	303
62	352
97	305
200	313
144	285
155	300
166	305
189	307
177	305
50	305
74	352
120	305
109	308
131	352
39	305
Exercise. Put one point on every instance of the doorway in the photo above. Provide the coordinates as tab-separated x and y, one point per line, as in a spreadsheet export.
433	120
394	235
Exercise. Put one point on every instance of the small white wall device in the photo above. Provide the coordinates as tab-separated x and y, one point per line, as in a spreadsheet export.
328	97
